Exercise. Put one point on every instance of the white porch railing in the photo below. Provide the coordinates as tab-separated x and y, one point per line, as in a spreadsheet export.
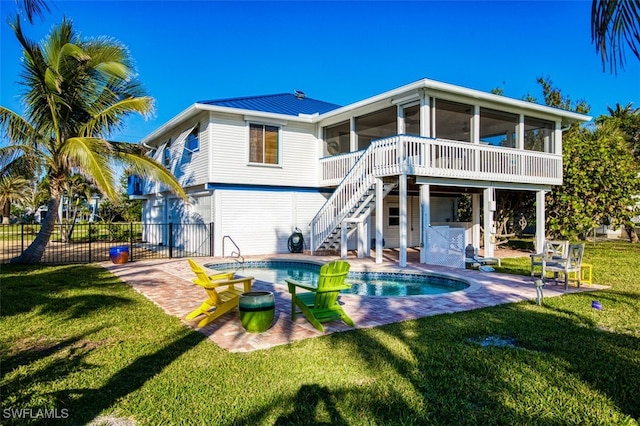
355	173
450	159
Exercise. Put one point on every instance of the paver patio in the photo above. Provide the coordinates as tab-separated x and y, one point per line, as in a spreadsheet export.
167	283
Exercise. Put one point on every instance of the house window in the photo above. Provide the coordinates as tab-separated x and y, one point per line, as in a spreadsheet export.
337	138
538	135
394	216
376	125
193	143
498	128
263	144
166	154
453	120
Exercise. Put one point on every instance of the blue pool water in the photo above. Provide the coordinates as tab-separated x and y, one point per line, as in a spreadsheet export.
362	283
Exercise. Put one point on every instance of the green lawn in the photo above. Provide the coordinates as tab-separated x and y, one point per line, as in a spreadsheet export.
78	340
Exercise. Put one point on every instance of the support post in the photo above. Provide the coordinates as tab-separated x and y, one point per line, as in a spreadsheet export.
403	221
425	220
379	219
489	234
343	241
475	212
540	221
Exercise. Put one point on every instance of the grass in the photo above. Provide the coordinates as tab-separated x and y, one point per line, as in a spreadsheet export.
76	338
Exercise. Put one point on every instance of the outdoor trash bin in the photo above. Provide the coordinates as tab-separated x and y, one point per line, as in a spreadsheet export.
257	309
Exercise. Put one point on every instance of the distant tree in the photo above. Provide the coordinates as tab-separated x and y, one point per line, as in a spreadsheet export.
600	182
12	190
615	26
626	119
78	92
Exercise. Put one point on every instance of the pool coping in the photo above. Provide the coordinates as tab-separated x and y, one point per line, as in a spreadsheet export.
167	283
471	284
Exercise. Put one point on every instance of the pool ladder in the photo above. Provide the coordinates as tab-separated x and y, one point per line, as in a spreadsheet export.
235	254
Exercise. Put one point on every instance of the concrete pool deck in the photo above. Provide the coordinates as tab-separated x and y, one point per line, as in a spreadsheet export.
167	283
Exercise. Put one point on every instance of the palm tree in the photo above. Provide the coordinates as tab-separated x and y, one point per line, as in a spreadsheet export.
78	92
12	190
615	23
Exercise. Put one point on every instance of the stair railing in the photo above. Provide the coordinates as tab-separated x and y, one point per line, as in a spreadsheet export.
381	158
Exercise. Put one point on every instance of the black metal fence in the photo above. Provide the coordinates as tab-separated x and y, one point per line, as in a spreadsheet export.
91	242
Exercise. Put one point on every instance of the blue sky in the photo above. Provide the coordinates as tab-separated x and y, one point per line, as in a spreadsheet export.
339	52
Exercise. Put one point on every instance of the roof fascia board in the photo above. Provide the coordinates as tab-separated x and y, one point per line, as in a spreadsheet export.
196	108
250	112
446	88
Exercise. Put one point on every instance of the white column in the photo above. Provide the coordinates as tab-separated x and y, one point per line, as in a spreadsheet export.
475	214
425	220
540	221
489	208
403	221
379	219
475	125
425	121
353	135
343	240
361	240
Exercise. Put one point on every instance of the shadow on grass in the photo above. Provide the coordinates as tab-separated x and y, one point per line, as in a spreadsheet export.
548	367
86	404
69	290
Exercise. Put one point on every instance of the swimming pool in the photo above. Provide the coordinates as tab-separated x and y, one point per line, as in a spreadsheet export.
362	283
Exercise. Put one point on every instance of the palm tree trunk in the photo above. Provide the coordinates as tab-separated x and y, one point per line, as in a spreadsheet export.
33	253
6	213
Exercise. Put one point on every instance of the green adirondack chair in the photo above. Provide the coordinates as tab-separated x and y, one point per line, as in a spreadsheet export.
320	304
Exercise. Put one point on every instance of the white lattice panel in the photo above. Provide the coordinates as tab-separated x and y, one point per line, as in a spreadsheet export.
445	246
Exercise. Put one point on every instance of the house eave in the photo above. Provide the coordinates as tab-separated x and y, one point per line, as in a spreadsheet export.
196	108
437	86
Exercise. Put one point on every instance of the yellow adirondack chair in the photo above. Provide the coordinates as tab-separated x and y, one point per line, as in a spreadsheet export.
320	304
223	295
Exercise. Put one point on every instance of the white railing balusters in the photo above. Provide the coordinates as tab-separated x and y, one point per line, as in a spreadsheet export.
355	172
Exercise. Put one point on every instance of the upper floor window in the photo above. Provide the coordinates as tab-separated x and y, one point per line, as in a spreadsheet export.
263	144
193	143
166	153
453	120
337	138
538	135
376	125
498	128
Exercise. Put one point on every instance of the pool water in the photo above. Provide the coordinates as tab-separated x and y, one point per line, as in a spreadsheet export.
362	283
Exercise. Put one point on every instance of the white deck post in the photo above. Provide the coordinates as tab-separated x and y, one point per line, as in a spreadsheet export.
361	238
489	208
343	240
379	219
475	212
425	220
403	221
540	221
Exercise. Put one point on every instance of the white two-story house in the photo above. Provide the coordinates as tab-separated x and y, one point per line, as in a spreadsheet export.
384	170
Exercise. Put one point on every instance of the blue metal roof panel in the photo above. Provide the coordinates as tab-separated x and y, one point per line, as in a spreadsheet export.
283	103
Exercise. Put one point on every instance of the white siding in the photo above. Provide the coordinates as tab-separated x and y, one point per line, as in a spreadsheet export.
260	222
298	155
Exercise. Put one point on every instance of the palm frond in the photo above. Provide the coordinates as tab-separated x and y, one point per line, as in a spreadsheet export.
33	8
91	156
133	157
615	26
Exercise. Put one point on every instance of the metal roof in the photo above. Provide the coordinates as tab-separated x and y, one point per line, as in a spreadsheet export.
282	103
